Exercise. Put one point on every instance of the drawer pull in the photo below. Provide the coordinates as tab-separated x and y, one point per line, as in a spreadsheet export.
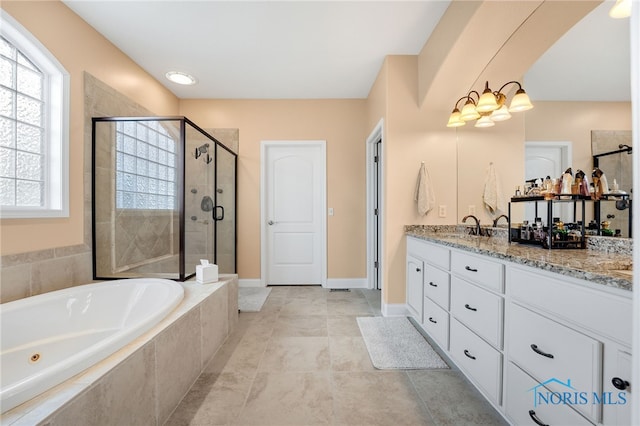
466	352
431	283
469	268
432	320
470	307
533	416
539	352
618	383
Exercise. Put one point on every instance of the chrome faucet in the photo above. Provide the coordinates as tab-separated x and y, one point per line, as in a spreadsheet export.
477	230
495	221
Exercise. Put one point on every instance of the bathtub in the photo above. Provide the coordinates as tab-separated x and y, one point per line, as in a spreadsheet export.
48	338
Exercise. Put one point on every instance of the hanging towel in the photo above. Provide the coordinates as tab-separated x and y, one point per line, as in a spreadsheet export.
604	183
424	194
492	196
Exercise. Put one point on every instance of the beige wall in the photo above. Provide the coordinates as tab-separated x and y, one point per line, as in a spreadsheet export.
79	48
573	122
342	123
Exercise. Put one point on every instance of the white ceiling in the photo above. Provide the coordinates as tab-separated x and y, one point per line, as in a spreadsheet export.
329	49
591	62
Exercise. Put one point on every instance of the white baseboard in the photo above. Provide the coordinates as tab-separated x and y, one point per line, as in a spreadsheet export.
331	282
250	282
347	283
394	310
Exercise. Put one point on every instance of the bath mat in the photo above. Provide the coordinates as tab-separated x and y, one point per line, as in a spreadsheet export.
394	343
251	299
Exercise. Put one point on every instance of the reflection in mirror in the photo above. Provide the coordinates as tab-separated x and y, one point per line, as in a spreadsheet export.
611	155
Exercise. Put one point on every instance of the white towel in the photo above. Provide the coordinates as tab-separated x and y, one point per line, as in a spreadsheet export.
424	194
492	196
604	184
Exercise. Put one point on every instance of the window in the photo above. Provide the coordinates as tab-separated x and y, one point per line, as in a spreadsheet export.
33	127
145	166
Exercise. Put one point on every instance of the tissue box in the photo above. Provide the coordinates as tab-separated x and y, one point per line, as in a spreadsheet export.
206	273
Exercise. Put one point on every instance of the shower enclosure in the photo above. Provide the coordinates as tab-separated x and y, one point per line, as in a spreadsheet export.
164	197
611	150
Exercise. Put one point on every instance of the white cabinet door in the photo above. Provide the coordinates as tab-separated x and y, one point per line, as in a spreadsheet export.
617	388
415	272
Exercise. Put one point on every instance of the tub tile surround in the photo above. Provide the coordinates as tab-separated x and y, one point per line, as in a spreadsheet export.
593	265
162	365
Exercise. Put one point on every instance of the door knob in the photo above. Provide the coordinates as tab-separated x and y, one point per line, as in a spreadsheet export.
271	222
619	383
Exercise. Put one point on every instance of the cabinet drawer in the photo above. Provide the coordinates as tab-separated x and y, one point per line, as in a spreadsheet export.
478	309
523	404
548	350
478	269
436	323
431	253
573	302
478	359
436	286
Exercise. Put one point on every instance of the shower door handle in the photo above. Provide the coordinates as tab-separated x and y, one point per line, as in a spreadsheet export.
215	214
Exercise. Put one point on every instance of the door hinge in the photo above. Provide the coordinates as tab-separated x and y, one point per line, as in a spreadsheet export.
375	159
375	264
375	212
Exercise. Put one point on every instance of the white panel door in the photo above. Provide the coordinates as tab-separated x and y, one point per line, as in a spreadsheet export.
541	160
294	188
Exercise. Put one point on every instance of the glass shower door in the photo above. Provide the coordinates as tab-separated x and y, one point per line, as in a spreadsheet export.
199	198
226	210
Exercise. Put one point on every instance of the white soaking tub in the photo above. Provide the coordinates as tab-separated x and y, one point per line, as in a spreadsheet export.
48	338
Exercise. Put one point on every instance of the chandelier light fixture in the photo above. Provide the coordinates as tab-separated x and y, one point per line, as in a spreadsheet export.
490	107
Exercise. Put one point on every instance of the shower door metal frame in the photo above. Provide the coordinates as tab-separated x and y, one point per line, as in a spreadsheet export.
180	191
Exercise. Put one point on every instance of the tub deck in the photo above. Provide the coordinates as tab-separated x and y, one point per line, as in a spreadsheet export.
164	362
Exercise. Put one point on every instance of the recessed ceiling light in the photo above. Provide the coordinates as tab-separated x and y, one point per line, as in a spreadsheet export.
181	78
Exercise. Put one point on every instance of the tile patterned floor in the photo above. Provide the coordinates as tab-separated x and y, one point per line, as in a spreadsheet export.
302	361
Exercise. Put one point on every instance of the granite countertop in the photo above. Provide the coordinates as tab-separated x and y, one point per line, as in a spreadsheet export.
606	268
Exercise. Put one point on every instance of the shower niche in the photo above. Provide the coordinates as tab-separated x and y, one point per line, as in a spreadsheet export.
164	197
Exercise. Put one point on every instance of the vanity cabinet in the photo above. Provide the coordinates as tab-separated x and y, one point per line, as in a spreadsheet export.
569	338
522	334
462	310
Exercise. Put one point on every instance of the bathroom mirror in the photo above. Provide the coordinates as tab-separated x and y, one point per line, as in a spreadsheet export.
612	154
569	102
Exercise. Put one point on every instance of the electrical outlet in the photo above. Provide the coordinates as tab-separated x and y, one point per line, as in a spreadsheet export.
330	211
442	211
472	209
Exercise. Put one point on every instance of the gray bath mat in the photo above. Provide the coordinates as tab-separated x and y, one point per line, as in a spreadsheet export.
394	343
251	299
